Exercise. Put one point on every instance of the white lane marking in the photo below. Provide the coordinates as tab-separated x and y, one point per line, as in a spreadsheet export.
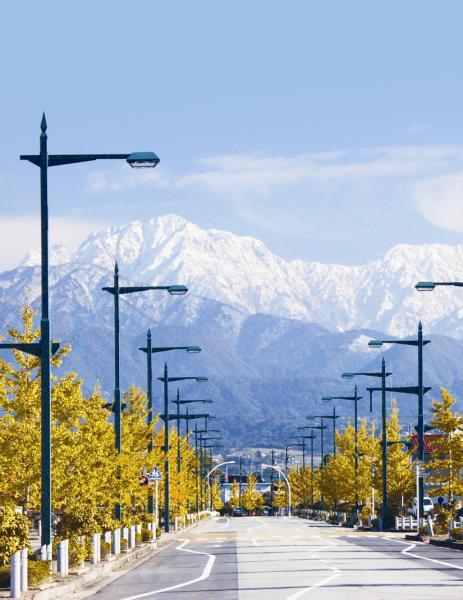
204	575
434	560
327	540
316	585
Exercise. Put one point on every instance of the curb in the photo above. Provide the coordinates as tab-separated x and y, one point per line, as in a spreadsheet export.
98	576
447	544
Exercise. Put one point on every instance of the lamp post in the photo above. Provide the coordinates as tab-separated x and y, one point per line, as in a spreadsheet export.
45	348
166	379
149	351
383	375
355	399
227	462
287	483
333	418
116	290
178	402
418	391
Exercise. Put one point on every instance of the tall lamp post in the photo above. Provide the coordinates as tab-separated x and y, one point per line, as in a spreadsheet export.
333	418
355	399
278	470
149	351
166	380
179	402
116	290
419	391
45	348
382	375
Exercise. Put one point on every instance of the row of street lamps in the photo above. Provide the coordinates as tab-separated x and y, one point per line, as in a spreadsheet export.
45	348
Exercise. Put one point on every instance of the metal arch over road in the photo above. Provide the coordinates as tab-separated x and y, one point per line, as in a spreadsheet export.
271	558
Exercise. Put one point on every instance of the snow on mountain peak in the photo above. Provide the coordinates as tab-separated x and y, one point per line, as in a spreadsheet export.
59	254
242	272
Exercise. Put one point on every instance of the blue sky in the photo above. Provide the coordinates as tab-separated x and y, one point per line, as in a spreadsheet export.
331	130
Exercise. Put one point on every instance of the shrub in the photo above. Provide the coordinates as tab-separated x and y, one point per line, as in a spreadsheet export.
105	548
158	532
77	551
14	533
424	530
39	571
4	577
145	535
457	533
138	539
442	521
124	545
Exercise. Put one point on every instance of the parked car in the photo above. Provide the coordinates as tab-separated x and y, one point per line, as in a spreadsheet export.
238	512
428	507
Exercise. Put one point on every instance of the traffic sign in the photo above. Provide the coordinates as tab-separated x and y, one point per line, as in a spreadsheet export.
440	500
143	479
155	475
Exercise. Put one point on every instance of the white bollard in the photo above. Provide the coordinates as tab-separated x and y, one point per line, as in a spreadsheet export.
24	574
131	539
138	528
15	575
125	533
430	527
116	543
43	553
107	537
96	548
63	558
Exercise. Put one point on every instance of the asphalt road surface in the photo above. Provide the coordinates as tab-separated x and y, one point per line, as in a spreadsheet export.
272	558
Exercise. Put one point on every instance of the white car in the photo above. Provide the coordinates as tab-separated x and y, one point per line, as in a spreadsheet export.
428	506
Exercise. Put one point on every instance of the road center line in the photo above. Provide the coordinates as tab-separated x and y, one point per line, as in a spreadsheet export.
315	586
205	574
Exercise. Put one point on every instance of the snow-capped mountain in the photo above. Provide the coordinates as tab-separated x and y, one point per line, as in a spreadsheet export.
241	272
275	334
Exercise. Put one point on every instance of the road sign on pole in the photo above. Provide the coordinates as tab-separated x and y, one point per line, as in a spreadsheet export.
155	475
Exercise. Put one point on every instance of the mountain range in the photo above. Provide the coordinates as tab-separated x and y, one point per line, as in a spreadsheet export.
275	334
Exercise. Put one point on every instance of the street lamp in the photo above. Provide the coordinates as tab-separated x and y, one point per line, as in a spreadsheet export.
45	348
166	379
418	390
178	402
355	399
287	483
227	462
116	291
320	428
428	286
333	418
149	351
383	375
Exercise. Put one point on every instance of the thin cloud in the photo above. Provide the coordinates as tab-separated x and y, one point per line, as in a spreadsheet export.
260	175
440	201
20	234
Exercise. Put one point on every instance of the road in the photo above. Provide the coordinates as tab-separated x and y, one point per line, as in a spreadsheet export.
271	558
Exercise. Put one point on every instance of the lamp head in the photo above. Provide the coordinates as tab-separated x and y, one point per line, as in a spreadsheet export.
193	349
326	399
177	290
425	286
142	160
375	343
347	375
201	379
